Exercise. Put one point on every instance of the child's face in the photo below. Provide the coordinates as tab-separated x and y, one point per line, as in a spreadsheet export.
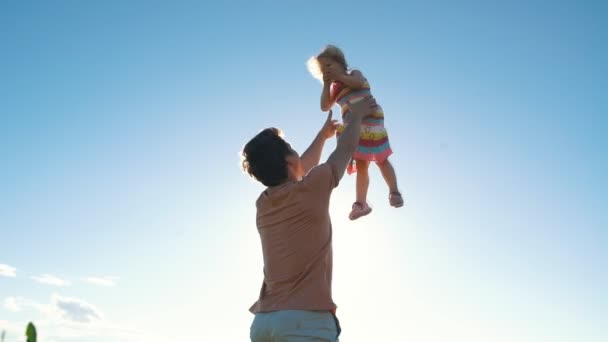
330	64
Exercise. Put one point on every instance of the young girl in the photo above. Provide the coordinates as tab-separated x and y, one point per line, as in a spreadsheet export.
344	86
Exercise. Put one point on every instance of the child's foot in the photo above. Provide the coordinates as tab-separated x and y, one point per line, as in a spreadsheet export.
395	199
359	210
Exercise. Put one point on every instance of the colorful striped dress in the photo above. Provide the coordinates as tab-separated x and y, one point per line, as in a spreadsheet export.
373	143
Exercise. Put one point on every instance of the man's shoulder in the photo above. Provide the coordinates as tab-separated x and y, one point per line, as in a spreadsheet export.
322	175
323	167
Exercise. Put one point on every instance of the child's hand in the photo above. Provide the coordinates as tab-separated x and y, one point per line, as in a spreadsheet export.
328	77
330	74
334	73
338	76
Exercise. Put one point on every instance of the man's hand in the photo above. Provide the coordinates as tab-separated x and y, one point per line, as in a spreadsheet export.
363	108
310	158
329	127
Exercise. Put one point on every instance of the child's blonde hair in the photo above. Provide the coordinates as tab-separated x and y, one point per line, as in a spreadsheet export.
330	51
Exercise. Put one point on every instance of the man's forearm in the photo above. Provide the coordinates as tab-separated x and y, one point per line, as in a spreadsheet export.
311	157
349	139
347	144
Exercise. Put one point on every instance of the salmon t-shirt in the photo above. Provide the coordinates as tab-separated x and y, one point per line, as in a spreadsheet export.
295	230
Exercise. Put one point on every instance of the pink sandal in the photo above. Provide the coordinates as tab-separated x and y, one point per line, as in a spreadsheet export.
359	210
395	199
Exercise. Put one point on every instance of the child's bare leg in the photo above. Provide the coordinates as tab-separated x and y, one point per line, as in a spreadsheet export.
360	207
388	172
362	180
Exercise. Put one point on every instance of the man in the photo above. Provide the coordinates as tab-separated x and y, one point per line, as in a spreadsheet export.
295	302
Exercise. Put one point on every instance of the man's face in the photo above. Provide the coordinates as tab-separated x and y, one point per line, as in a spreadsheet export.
294	164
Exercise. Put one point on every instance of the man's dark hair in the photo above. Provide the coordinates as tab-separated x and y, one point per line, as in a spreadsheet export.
264	157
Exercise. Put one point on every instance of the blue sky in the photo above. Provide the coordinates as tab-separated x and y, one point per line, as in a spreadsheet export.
124	215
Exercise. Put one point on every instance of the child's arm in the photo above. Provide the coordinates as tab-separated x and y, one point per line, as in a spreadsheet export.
354	80
326	101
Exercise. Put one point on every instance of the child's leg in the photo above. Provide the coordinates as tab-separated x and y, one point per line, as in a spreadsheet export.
362	180
360	207
388	172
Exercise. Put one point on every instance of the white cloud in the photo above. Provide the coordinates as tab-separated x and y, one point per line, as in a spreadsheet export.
11	304
7	271
63	330
71	319
16	304
61	308
50	279
76	310
100	281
